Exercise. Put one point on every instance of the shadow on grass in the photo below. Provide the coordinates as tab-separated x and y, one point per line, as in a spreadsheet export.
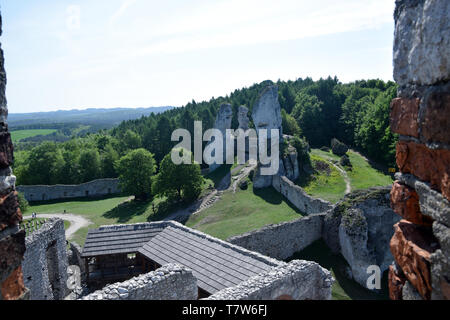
125	211
272	196
319	252
217	175
78	199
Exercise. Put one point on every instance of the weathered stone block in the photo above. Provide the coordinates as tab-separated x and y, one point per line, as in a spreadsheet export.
411	247
410	293
13	288
12	249
403	116
6	150
440	273
421	42
435	122
431	165
395	283
405	202
10	213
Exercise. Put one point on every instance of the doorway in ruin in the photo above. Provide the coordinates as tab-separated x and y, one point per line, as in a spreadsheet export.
52	269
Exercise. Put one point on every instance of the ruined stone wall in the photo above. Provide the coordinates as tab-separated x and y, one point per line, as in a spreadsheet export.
421	116
45	262
281	241
94	188
297	280
170	282
12	241
298	197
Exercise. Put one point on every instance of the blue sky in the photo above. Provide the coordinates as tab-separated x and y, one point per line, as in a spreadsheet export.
141	53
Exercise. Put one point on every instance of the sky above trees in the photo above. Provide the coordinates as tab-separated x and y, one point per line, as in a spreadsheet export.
140	53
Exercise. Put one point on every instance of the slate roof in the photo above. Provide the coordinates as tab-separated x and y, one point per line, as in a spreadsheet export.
118	239
215	266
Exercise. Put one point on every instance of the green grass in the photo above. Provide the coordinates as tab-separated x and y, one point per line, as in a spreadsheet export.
343	288
329	186
363	175
100	211
18	135
243	211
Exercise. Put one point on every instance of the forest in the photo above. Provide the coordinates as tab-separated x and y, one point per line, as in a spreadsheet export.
356	113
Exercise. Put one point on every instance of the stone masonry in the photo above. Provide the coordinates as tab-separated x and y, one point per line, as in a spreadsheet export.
45	262
296	280
94	188
421	116
12	241
170	282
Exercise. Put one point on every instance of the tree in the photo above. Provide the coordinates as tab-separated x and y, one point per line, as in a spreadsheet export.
135	170
183	181
90	165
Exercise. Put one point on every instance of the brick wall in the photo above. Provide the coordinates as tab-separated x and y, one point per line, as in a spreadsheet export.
421	116
12	241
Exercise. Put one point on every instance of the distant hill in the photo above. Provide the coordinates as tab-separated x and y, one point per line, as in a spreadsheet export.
93	116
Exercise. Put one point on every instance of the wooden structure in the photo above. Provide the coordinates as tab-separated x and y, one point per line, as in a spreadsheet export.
111	253
116	253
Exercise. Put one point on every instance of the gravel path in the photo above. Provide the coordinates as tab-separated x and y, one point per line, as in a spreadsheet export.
76	221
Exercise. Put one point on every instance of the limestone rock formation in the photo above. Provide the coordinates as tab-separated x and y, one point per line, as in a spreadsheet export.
360	227
243	119
223	122
266	114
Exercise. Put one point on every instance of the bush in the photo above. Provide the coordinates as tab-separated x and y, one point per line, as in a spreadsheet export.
338	148
23	203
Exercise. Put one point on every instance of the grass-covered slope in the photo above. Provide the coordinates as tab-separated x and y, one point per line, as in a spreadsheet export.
243	211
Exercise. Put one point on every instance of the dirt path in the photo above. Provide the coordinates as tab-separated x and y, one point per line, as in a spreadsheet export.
76	221
348	187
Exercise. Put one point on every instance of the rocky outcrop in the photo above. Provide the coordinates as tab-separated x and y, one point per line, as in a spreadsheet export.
266	114
359	227
338	148
223	122
289	166
243	119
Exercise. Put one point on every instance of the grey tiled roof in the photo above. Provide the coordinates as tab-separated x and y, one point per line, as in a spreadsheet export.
215	266
118	239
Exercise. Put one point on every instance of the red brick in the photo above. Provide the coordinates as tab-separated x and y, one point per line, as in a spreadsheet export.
429	165
6	150
403	116
435	125
13	287
405	202
12	249
10	213
395	282
411	247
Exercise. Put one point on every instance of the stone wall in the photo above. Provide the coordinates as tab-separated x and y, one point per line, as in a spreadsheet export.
280	241
94	188
12	241
421	116
298	197
297	280
45	262
170	282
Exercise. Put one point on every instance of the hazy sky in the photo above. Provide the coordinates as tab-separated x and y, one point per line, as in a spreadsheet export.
141	53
